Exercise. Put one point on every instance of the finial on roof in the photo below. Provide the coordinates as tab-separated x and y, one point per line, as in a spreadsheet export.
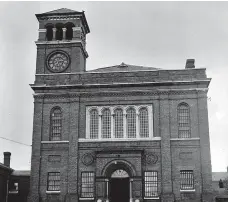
123	65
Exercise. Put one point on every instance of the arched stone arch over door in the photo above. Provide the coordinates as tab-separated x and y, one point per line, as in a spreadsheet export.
113	165
118	174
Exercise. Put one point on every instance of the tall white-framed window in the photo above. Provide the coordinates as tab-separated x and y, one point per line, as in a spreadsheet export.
131	122
183	115
106	123
143	122
94	121
119	122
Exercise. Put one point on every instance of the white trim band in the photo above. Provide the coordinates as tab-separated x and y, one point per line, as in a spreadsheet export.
86	198
185	139
41	30
54	142
191	190
53	192
119	139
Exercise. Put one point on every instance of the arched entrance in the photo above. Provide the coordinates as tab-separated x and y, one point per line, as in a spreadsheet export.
119	186
119	175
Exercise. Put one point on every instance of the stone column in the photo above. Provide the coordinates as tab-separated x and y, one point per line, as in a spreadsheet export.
124	124
130	194
112	124
137	124
99	125
205	148
107	189
54	34
64	33
166	171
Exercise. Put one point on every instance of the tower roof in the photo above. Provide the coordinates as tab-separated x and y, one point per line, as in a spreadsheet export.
60	11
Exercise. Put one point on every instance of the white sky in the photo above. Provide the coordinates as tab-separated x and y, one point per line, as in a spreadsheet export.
157	34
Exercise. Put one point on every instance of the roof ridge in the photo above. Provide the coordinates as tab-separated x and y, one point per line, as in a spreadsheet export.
125	67
61	10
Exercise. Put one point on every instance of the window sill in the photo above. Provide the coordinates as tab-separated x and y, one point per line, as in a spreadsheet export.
54	142
190	190
13	192
52	192
118	139
86	199
151	197
180	139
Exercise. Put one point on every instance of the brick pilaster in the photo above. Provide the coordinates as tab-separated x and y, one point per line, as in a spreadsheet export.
205	148
73	191
166	174
36	146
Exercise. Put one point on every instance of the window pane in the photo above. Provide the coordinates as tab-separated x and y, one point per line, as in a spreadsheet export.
56	124
186	180
53	183
106	123
143	122
118	118
151	184
87	189
131	123
94	117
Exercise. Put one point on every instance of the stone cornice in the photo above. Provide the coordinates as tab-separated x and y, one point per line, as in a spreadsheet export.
114	85
199	92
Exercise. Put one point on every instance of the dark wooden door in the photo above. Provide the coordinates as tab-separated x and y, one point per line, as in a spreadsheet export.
119	190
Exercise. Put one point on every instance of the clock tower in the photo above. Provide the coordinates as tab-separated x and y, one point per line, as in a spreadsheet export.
61	60
61	45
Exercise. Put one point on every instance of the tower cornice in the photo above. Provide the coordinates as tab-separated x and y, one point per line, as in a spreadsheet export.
62	44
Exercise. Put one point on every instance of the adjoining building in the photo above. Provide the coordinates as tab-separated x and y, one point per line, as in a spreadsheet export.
220	185
120	133
14	184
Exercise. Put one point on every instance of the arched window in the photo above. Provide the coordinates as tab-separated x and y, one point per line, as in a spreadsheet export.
59	31
143	122
131	123
118	123
183	121
69	32
94	121
49	32
106	123
56	124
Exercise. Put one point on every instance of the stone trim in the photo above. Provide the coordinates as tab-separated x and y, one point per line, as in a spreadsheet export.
42	30
59	17
119	93
119	140
54	142
184	139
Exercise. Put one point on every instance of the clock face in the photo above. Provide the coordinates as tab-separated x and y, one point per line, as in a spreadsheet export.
58	61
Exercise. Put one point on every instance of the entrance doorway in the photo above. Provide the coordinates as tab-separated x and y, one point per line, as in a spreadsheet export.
119	186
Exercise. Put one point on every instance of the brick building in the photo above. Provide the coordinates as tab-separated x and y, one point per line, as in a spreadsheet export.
14	184
120	133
